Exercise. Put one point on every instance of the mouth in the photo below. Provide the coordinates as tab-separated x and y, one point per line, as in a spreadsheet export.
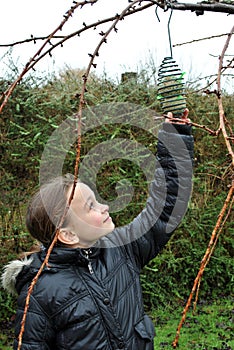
107	219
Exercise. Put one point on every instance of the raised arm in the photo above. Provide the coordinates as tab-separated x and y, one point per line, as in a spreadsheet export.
169	195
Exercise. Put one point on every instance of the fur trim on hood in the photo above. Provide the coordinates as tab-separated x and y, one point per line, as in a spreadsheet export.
11	271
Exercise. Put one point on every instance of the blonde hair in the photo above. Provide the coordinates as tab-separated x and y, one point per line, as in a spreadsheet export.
46	208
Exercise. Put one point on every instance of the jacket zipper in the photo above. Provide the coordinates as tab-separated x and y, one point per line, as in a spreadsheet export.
90	267
87	252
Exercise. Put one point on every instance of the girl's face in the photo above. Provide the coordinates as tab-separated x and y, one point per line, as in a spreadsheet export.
88	219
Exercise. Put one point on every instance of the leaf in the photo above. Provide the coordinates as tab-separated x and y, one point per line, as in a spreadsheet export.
36	136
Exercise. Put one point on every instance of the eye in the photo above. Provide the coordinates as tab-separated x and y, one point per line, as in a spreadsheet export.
91	205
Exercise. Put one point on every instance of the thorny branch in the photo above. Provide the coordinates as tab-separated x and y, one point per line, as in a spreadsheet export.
220	104
45	263
39	54
203	6
204	261
76	168
227	204
213	244
78	32
200	39
223	69
85	77
30	64
211	132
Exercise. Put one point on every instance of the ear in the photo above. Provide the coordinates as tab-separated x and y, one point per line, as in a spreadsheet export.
68	237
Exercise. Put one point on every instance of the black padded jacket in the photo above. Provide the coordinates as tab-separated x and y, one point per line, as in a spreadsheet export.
92	300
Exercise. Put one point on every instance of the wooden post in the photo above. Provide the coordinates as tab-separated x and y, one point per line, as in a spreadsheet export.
128	77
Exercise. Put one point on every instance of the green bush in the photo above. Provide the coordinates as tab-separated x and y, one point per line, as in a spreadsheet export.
35	110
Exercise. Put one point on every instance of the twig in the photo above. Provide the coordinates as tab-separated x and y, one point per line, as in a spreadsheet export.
39	55
68	14
203	263
29	40
212	249
218	227
177	120
85	77
211	132
222	117
76	169
30	289
201	39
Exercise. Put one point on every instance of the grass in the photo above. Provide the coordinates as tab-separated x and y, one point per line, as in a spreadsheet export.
211	328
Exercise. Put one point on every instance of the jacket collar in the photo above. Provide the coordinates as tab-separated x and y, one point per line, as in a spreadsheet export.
19	272
64	256
11	272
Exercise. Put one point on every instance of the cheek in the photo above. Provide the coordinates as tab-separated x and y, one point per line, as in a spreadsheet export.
96	219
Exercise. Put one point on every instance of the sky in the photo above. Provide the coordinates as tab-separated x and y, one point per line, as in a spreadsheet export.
141	39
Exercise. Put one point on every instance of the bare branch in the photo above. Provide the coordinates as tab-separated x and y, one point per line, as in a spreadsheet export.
29	40
221	218
68	14
39	55
76	168
201	39
227	204
222	117
199	8
213	246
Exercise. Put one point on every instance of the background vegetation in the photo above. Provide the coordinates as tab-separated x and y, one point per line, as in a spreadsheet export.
34	111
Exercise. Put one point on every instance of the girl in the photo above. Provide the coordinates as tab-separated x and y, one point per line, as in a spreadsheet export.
89	296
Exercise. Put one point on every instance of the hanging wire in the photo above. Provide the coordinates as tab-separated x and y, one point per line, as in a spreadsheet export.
170	81
169	32
156	13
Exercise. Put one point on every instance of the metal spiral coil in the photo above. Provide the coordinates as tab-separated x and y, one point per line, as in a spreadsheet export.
171	87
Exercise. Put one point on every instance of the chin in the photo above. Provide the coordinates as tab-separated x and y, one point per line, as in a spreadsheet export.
110	229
